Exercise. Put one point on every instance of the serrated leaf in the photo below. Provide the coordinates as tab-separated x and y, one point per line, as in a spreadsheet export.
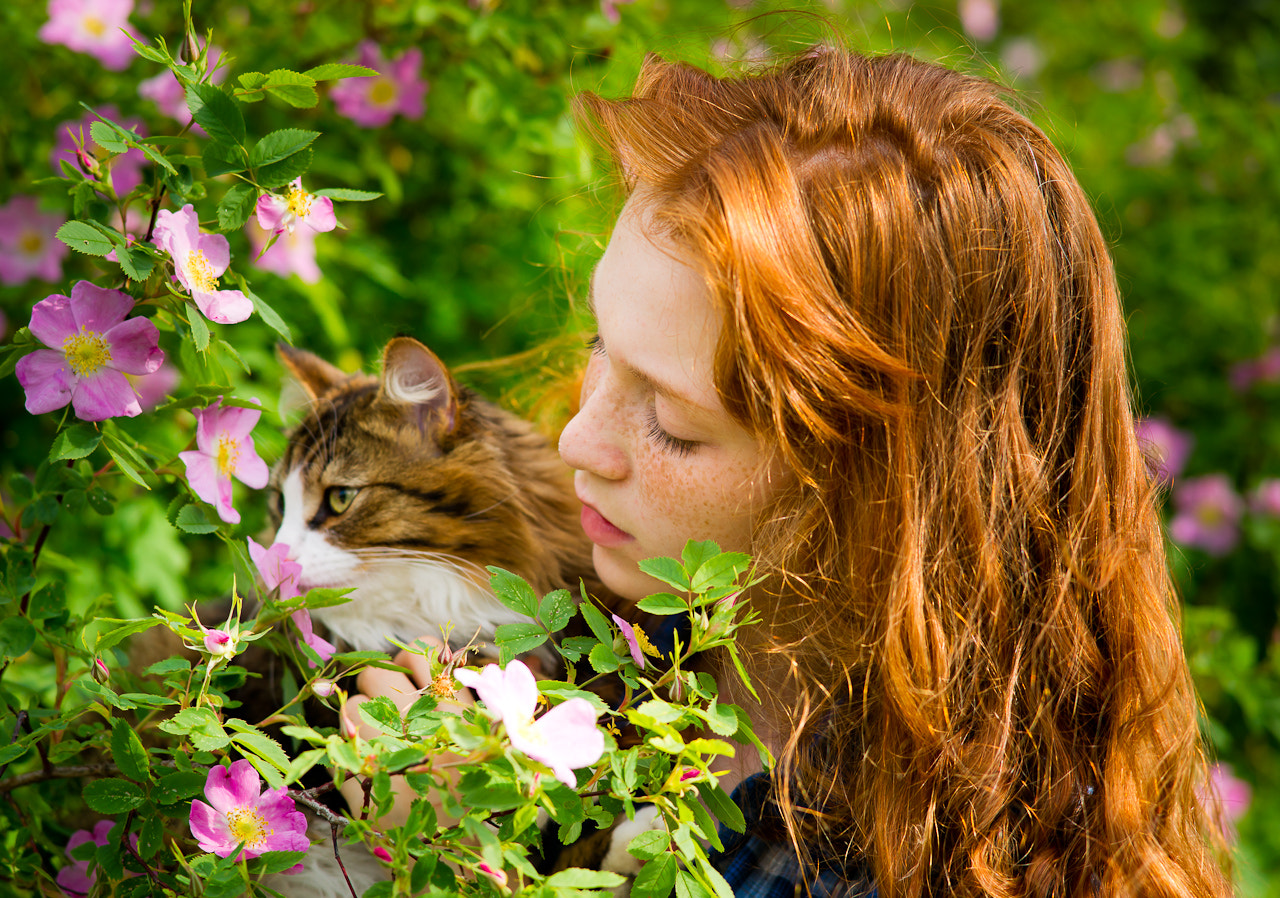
252	80
125	458
135	264
280	145
168	666
222	159
294	88
268	314
668	570
595	620
236	207
656	879
84	238
192	519
128	753
113	796
663	603
513	592
697	552
179	786
216	112
689	887
157	157
333	70
277	861
77	441
516	639
151	836
649	844
555	609
382	712
199	329
348	195
578	878
719	570
724	807
17	635
107	137
277	174
122	630
258	743
602	659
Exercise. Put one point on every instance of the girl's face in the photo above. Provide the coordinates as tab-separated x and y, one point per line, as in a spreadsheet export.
659	461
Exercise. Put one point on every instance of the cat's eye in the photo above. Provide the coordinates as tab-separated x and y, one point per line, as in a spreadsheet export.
338	499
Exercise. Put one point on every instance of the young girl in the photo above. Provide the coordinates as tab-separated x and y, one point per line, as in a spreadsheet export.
857	319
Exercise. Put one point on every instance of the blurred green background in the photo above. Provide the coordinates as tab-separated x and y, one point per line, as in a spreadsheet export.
493	213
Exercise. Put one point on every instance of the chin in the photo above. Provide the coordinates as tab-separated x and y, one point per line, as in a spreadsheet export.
622	576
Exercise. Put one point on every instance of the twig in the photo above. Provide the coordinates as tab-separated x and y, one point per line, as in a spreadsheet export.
63	773
333	832
17	731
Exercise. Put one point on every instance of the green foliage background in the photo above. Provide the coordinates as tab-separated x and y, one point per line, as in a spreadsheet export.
493	215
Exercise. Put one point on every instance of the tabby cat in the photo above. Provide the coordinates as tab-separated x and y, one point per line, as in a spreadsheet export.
405	486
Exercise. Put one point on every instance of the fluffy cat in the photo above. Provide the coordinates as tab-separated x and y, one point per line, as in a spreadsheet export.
405	486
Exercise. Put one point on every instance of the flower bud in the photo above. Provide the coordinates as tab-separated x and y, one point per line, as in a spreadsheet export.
88	163
323	688
382	854
100	671
498	876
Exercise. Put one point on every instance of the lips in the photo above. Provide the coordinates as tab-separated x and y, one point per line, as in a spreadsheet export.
601	531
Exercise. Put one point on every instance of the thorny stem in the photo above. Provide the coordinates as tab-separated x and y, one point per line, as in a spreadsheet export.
333	834
128	846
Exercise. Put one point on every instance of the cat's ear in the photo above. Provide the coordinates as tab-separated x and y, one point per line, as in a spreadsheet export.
414	378
315	375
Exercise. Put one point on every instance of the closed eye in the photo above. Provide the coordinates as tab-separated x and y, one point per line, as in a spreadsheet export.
671	444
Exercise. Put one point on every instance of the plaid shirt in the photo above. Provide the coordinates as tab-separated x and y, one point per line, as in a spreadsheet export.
756	867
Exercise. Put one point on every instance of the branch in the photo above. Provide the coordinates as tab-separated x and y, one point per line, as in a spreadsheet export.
63	773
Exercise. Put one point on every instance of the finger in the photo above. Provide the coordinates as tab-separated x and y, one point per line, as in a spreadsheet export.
403	692
420	665
354	720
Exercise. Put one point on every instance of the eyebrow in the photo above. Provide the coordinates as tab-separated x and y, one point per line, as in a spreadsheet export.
665	390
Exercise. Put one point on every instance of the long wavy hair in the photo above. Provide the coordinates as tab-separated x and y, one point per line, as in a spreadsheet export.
971	650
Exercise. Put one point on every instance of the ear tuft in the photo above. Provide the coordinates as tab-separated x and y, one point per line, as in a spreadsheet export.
412	376
313	373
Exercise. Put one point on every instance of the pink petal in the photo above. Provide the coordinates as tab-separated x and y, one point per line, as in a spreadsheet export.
75	879
228	789
79	837
224	306
217	251
226	510
321	217
52	320
47	380
251	470
209	426
271	210
202	475
633	644
98	309
105	394
571	729
238	422
210	828
175	232
135	346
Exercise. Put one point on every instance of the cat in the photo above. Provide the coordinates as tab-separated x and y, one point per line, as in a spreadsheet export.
405	486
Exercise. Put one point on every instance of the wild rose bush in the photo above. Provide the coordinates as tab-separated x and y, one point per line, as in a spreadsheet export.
224	183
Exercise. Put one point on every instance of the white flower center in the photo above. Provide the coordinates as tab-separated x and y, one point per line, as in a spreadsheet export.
227	455
247	825
86	352
200	272
299	202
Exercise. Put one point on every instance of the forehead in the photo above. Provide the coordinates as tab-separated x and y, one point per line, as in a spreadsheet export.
654	311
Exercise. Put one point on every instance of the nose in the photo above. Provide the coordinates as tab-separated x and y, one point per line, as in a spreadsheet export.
590	441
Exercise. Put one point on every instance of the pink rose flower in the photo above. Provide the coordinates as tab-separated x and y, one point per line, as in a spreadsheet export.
224	449
980	19
1264	369
633	644
292	253
153	388
1165	447
125	169
372	101
91	348
96	27
564	738
297	207
240	813
1265	498
1207	514
275	568
75	878
29	247
610	9
199	260
1226	797
499	877
220	643
322	647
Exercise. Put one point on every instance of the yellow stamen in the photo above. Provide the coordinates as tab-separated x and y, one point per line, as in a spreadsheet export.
31	242
645	645
228	455
86	352
95	26
200	272
299	201
247	825
383	91
442	686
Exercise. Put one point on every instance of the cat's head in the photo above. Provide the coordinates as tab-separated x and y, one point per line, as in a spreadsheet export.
405	486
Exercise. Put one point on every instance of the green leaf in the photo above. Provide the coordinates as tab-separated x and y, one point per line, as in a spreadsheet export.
603	660
84	238
294	88
668	570
348	195
578	878
513	592
236	207
280	145
123	629
201	726
331	71
252	81
595	620
216	112
222	159
720	570
259	743
180	786
724	807
113	796
555	609
199	328
151	836
17	635
193	519
135	263
107	137
649	844
277	861
656	878
663	603
156	156
76	441
168	666
268	314
280	173
382	712
697	553
128	753
125	458
687	886
516	639
146	51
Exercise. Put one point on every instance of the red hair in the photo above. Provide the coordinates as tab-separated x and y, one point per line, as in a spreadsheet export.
970	637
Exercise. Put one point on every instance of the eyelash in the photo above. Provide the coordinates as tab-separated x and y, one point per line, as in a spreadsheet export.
674	445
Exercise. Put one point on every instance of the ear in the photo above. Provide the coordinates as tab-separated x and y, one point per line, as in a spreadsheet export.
315	375
413	378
